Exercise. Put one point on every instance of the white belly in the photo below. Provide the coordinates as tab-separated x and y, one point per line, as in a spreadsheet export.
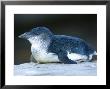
45	57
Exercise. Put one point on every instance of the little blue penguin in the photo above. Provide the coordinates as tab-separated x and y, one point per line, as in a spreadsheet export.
49	48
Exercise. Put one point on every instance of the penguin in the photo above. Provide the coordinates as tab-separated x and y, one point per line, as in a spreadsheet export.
49	48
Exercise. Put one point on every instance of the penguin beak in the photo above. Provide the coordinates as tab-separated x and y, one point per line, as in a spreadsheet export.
26	35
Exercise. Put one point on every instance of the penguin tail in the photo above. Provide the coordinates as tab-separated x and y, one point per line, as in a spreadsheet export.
93	57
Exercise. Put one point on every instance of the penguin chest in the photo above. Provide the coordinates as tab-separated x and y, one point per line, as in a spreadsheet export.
42	56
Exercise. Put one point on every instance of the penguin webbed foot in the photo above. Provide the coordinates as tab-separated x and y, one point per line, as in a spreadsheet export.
67	61
63	58
70	62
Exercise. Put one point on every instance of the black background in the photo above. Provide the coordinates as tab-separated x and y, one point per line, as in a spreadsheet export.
83	26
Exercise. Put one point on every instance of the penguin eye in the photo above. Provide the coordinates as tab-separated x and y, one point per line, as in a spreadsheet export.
35	31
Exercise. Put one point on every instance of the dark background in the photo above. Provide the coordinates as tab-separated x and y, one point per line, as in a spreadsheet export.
83	26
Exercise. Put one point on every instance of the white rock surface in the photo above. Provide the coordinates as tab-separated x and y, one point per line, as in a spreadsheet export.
54	69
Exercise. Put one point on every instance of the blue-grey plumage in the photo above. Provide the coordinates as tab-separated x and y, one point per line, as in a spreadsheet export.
47	47
70	44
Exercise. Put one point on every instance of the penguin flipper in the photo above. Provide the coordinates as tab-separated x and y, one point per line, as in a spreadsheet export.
64	59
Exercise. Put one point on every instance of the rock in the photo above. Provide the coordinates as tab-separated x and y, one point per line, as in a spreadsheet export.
56	69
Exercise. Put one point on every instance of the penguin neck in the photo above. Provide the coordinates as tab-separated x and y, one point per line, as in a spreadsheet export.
39	43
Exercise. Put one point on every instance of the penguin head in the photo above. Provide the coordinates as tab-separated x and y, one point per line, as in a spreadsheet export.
42	32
